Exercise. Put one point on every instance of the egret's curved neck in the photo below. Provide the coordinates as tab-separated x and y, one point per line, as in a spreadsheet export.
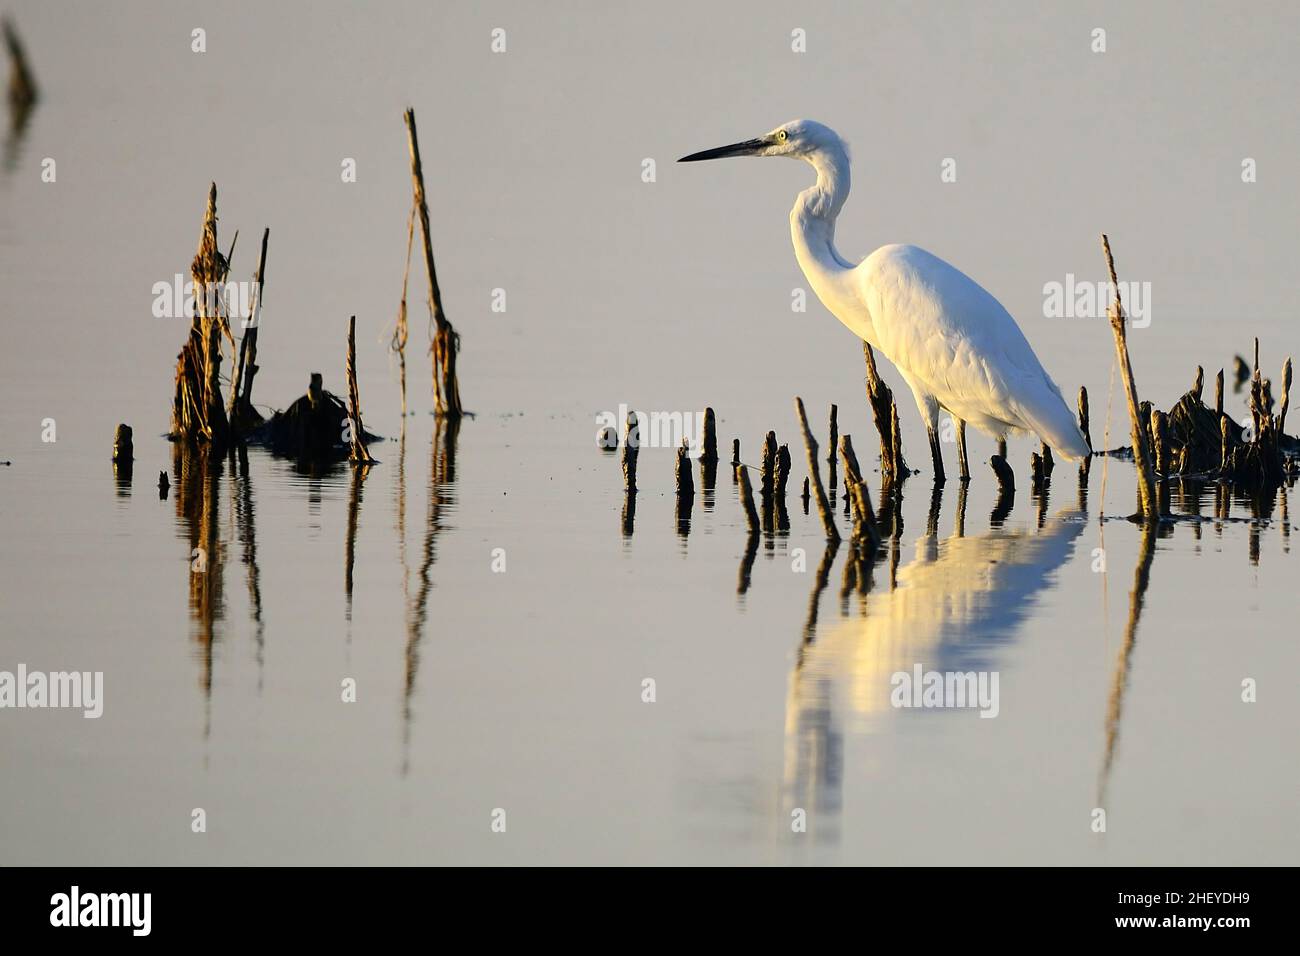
812	227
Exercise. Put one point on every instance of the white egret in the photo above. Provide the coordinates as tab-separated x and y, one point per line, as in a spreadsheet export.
953	342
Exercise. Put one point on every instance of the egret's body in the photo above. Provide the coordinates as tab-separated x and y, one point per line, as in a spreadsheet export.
953	342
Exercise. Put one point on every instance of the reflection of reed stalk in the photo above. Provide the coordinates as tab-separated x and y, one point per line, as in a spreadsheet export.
1114	708
246	525
350	542
442	478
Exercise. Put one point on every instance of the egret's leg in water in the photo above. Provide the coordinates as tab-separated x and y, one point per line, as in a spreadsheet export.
936	455
962	462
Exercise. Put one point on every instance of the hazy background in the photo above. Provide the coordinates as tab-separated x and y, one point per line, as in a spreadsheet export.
667	295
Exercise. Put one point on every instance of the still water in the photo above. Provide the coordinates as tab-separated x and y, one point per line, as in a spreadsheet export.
481	585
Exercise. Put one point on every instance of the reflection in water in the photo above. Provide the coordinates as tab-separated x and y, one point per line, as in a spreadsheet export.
245	517
1260	504
359	472
1115	706
21	94
197	472
747	563
198	475
122	473
949	609
442	482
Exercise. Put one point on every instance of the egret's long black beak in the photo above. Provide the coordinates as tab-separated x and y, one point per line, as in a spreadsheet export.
750	147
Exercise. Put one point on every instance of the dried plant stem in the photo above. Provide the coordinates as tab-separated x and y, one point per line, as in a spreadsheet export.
814	472
358	452
446	387
197	410
885	414
1141	450
398	342
242	415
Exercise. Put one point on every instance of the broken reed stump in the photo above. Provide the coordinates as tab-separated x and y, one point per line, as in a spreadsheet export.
709	452
735	453
685	489
709	455
198	413
1162	455
608	438
855	490
1085	466
446	343
782	480
1218	393
123	450
747	500
884	411
767	473
1037	476
631	447
358	451
244	418
810	445
834	445
782	473
805	496
22	86
1141	450
1286	396
898	468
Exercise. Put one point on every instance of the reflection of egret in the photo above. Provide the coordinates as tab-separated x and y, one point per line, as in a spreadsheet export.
954	604
954	344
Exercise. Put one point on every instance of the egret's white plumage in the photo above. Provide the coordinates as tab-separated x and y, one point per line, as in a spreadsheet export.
953	342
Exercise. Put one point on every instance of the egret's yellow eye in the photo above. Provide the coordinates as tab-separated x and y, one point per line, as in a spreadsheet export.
781	135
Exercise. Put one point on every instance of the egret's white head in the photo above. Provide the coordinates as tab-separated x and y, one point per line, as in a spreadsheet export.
797	139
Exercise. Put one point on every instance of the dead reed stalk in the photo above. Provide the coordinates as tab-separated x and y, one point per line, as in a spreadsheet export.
747	500
631	448
197	409
358	452
885	413
400	329
1141	450
446	343
814	472
243	416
